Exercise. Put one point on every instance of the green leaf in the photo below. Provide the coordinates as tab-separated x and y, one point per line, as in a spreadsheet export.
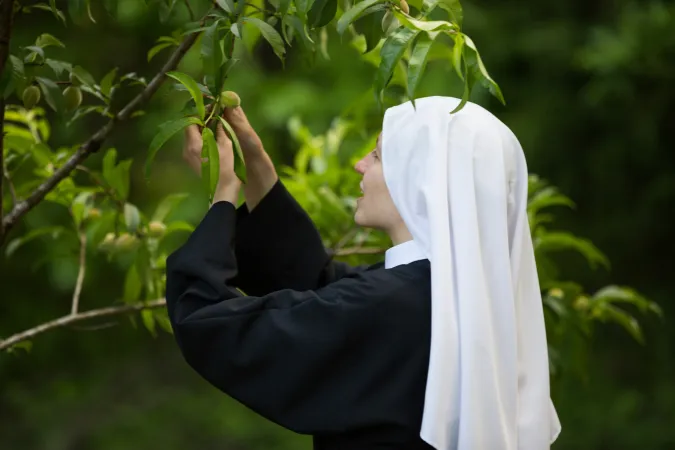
16	243
120	179
300	30
551	241
453	8
59	67
457	54
391	52
369	24
179	226
212	56
620	294
322	12
149	321
418	61
158	48
167	130
79	206
191	85
226	5
132	285
423	25
84	76
239	165
353	13
107	82
283	6
46	39
548	197
471	75
269	33
211	164
167	205
57	12
132	217
624	319
52	93
302	6
493	87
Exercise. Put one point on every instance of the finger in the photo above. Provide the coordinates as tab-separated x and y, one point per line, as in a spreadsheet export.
223	140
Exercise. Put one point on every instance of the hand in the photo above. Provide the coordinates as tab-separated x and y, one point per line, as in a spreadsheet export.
260	171
251	145
228	182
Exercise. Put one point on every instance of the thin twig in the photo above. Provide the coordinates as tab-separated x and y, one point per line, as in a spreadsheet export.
190	10
96	179
94	143
7	177
71	319
80	274
360	251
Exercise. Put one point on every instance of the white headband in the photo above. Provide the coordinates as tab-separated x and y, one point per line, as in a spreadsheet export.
460	184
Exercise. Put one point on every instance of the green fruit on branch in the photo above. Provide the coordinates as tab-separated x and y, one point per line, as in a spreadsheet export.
108	242
126	242
156	229
73	97
272	21
94	213
404	6
229	99
31	96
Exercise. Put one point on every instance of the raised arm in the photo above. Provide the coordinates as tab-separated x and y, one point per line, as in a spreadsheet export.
277	245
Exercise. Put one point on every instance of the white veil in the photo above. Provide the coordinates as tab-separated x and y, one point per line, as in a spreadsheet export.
460	184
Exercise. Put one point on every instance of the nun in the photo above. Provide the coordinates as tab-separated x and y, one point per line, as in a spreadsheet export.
441	345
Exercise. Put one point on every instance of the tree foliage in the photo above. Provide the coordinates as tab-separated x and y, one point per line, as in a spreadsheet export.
399	38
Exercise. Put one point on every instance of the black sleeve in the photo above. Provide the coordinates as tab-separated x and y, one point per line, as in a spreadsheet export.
277	246
311	361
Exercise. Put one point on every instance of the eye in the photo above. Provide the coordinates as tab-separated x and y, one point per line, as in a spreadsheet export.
374	153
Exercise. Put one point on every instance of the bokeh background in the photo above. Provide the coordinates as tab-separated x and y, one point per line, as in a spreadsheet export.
590	90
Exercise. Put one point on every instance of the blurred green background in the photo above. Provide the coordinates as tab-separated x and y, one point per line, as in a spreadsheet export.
590	90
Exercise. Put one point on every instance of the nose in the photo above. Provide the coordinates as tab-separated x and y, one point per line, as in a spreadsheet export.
360	166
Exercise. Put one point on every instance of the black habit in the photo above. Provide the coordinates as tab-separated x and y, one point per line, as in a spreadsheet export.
314	345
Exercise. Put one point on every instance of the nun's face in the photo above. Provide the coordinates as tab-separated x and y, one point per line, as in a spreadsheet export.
376	208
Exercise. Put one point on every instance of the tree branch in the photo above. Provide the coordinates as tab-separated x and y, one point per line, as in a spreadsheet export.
80	274
6	13
74	318
94	143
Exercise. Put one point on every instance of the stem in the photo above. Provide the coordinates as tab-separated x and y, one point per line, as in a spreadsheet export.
6	176
190	10
94	143
80	274
74	318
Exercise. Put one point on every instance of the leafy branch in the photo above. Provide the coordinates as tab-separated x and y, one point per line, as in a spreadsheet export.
75	318
94	143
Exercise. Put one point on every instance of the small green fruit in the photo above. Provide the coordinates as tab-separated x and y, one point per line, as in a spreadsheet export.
94	213
582	303
404	6
156	229
272	21
73	97
126	242
31	96
108	242
229	99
